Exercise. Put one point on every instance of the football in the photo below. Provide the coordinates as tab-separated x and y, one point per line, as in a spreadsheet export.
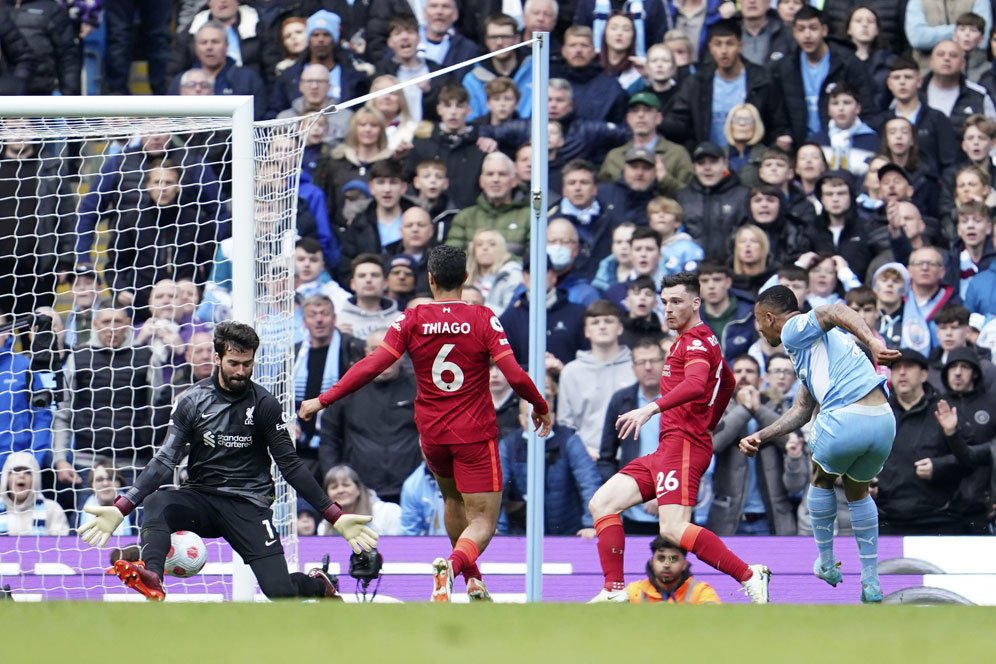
187	554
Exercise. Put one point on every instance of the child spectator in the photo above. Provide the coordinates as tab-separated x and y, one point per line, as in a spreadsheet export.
502	99
617	266
106	485
23	508
969	31
848	143
454	143
431	185
679	252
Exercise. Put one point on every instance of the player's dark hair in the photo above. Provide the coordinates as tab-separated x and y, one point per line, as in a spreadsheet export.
448	266
233	336
779	299
602	308
690	280
952	313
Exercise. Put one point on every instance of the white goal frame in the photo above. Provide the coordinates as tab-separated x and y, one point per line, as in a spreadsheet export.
243	171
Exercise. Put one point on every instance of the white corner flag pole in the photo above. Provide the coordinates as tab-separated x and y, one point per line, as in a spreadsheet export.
536	474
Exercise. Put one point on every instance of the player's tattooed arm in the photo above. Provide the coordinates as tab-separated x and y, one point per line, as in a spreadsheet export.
799	414
842	316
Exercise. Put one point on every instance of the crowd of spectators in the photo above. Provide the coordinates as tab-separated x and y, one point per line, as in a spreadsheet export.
843	148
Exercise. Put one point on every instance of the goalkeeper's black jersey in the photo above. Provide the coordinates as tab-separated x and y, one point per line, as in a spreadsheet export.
229	438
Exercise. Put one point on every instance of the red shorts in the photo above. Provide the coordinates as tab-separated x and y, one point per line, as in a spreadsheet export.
672	473
474	466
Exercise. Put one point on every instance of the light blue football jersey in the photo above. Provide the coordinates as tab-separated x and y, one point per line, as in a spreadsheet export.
830	364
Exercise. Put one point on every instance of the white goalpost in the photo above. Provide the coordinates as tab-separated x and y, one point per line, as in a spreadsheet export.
232	172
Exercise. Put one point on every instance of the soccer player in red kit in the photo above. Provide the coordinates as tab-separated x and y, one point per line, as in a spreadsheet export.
696	386
451	345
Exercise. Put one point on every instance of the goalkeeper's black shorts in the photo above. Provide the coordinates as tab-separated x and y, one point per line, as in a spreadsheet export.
247	527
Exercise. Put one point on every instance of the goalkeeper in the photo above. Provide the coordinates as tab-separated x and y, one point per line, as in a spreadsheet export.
231	426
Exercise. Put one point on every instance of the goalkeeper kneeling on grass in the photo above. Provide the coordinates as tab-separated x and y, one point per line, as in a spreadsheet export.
232	427
669	578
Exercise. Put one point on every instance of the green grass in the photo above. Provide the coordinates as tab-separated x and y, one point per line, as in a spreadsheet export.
293	633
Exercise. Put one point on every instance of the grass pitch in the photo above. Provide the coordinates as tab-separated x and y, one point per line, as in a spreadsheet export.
292	633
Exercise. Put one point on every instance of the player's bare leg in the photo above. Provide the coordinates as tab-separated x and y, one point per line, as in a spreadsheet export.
821	500
677	526
864	523
619	493
455	519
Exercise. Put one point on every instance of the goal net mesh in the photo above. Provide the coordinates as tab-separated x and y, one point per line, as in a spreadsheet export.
116	257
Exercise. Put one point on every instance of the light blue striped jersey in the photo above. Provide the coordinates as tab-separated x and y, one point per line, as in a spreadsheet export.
830	364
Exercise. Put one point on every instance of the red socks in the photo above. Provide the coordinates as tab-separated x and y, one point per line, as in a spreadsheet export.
711	550
464	556
471	572
611	547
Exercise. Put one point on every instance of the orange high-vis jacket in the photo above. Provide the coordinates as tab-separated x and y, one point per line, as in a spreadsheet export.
690	592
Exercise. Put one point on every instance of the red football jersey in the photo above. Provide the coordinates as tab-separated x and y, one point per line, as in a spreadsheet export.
451	345
691	420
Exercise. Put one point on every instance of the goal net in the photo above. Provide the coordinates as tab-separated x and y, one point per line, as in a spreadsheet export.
124	238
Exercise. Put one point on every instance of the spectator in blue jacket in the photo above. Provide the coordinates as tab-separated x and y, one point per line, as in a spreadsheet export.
422	504
210	53
571	478
500	31
23	427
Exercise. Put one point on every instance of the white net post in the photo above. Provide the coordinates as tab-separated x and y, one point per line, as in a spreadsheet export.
64	148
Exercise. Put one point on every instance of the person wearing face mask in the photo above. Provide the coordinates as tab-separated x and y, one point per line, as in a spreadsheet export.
563	247
564	320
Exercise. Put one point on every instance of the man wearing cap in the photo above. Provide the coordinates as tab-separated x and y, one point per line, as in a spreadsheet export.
915	494
401	279
701	105
890	284
971	402
715	203
249	44
643	117
345	82
630	194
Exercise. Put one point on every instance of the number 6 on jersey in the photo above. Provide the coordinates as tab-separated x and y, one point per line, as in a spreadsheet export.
440	364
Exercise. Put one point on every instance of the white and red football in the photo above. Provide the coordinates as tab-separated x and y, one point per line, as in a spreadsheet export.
187	554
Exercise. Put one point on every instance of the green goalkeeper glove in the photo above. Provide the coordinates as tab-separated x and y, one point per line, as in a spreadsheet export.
97	532
353	530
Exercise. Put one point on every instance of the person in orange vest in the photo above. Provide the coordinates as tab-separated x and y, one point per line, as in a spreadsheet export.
669	578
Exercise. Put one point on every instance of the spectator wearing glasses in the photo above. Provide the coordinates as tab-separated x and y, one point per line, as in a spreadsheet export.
926	296
500	31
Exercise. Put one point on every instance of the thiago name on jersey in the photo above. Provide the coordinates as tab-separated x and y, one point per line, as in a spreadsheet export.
446	327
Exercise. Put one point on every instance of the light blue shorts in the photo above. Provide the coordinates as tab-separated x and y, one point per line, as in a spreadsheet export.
854	440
